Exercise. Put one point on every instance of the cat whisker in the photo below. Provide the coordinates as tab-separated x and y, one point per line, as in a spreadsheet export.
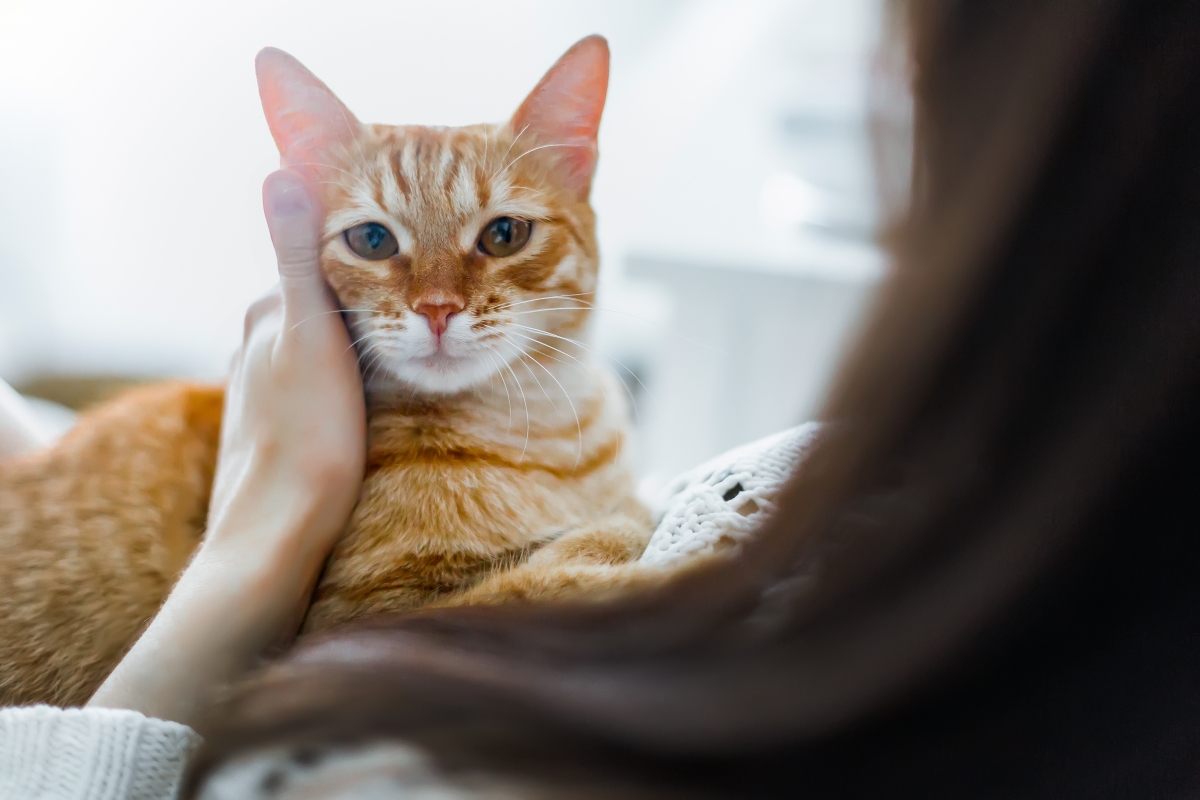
356	141
534	150
319	164
313	183
546	297
578	426
561	308
494	357
525	402
581	365
372	368
511	144
510	192
373	359
361	339
334	311
377	357
577	343
624	314
521	356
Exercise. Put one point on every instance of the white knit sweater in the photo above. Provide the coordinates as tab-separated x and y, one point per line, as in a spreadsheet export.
90	754
104	754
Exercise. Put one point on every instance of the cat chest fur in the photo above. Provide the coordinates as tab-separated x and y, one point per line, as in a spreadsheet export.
451	496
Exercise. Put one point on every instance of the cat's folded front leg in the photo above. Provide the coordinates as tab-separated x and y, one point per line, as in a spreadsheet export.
616	539
591	561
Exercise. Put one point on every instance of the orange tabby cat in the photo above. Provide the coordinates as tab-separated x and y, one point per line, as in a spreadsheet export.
466	260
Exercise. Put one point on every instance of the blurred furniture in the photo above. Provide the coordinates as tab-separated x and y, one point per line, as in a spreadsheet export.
747	352
77	392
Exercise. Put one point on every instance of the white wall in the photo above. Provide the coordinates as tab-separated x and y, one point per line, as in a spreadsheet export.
747	354
132	149
757	232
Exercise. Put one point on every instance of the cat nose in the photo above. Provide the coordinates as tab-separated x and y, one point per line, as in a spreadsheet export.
438	315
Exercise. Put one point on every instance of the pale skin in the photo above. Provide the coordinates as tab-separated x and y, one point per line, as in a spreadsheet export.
288	474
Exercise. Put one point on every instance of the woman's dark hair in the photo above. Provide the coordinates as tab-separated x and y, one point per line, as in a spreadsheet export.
985	580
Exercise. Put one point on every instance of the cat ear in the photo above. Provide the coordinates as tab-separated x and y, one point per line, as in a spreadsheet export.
306	119
565	107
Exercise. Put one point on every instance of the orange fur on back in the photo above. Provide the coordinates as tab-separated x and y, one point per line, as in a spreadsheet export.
496	463
94	532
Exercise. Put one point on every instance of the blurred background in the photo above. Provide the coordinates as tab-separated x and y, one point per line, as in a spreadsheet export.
735	200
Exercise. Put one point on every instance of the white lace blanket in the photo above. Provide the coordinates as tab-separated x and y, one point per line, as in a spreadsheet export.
720	503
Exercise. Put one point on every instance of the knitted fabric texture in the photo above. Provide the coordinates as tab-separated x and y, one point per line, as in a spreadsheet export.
90	754
375	770
718	505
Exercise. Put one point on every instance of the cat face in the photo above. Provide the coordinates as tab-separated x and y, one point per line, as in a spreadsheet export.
455	251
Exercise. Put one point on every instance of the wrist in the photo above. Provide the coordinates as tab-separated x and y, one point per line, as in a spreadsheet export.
249	545
213	628
230	606
261	589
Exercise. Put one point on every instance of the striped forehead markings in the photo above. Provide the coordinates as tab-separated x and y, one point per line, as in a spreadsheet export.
393	188
465	194
438	180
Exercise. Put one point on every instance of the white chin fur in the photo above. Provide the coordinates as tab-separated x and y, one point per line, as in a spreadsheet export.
443	374
412	357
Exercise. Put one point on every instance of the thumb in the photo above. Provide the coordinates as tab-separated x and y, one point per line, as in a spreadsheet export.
294	219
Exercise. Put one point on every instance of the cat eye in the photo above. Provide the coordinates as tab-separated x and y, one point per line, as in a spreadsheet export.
504	236
371	241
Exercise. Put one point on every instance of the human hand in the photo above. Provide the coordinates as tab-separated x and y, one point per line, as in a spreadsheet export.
293	433
289	470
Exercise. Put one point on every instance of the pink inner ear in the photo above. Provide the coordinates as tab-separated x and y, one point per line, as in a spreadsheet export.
565	107
310	125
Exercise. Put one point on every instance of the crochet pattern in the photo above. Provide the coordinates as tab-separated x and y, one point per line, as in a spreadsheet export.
719	504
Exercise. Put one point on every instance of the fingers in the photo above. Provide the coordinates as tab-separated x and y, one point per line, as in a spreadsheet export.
294	219
260	308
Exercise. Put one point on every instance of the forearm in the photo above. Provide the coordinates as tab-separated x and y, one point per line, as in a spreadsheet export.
289	469
217	621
